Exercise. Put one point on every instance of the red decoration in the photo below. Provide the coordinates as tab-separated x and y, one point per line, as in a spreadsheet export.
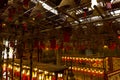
42	45
36	44
12	44
119	37
25	26
53	44
38	15
112	46
34	78
16	73
26	4
85	11
66	36
67	47
108	5
11	13
85	14
57	47
24	77
61	46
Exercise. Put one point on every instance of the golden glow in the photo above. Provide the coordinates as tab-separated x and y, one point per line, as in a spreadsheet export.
40	71
46	72
35	69
28	72
3	25
23	72
10	66
34	74
105	46
60	75
33	19
4	65
18	69
46	48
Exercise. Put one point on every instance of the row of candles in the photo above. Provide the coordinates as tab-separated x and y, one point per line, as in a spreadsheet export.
36	74
89	71
79	59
